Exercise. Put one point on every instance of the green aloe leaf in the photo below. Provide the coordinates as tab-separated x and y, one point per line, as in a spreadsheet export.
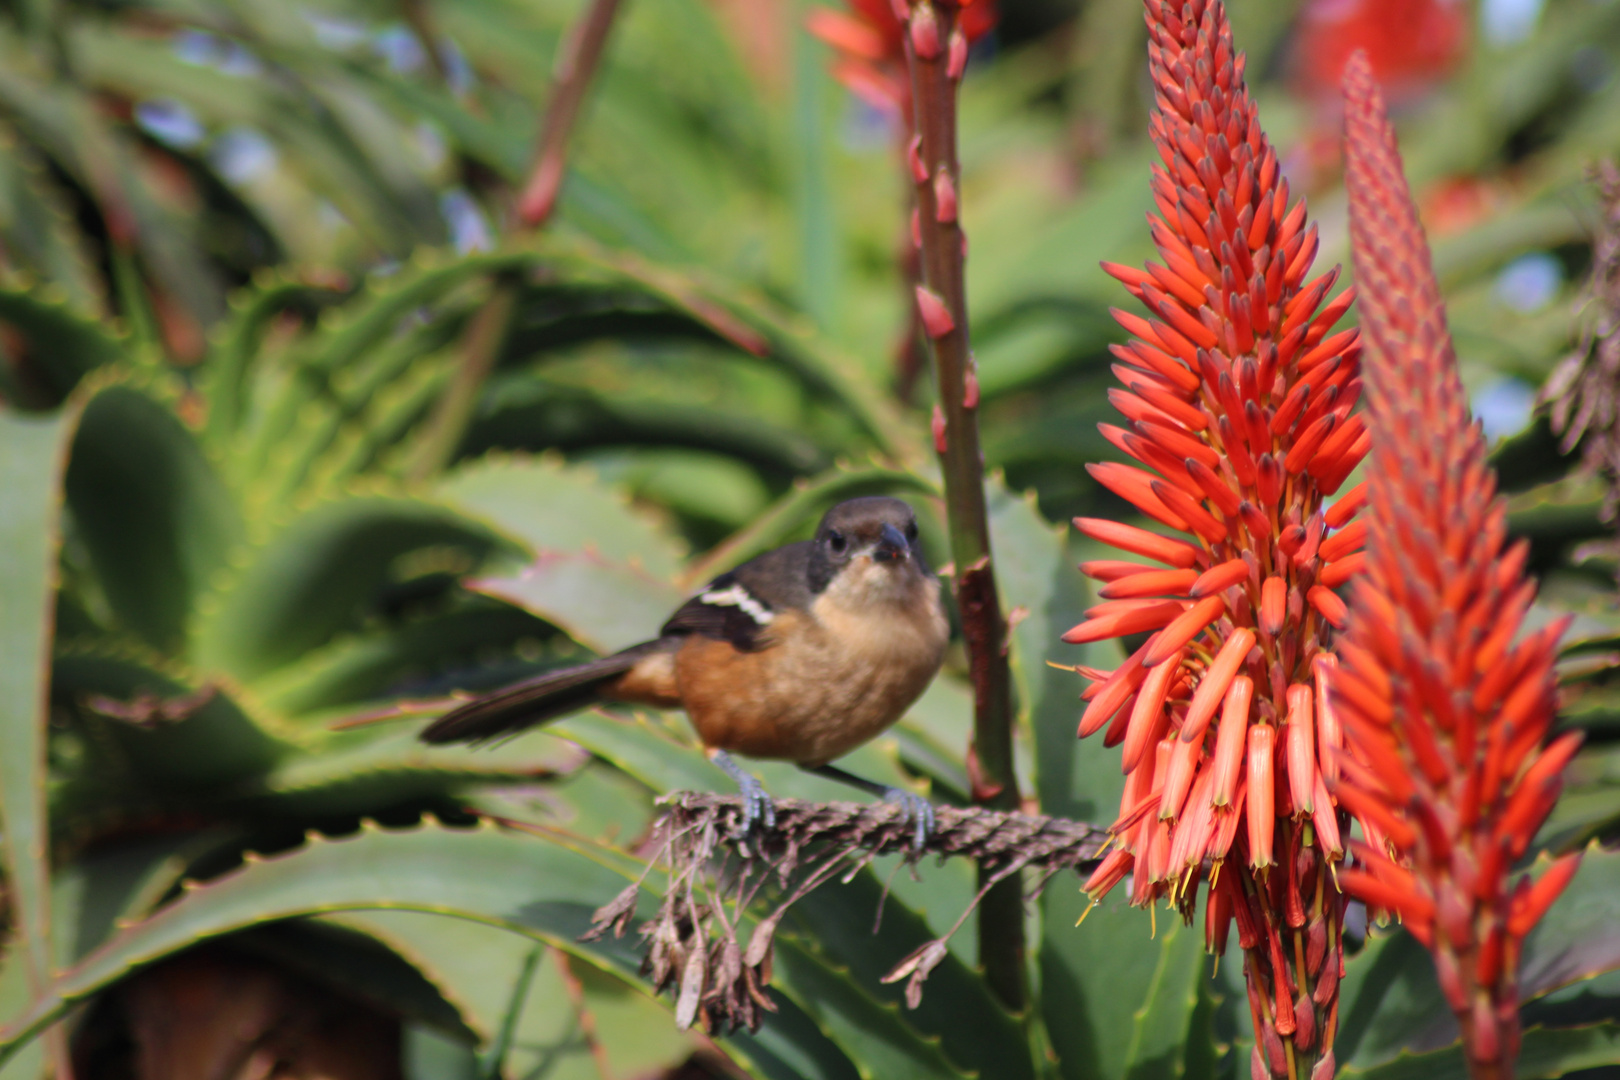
504	880
477	969
974	1030
352	961
206	744
601	603
667	761
1118	1002
1580	936
542	889
326	573
1547	1053
63	344
424	656
156	520
32	457
356	771
550	506
40	232
1389	1001
529	412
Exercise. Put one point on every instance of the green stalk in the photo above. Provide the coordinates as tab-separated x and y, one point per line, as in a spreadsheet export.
936	48
576	64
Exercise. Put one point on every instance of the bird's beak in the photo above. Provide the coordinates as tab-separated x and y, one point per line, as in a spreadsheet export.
891	545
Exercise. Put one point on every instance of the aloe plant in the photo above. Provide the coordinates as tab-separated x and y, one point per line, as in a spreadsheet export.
233	589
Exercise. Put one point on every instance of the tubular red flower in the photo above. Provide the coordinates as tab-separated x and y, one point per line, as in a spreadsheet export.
1451	731
1237	407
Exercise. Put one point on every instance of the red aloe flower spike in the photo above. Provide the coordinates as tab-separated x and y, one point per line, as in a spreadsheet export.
1237	413
1460	778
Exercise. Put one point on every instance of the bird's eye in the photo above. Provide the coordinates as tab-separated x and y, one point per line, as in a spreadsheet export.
836	541
911	531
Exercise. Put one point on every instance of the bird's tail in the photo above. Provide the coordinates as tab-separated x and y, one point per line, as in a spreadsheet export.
534	701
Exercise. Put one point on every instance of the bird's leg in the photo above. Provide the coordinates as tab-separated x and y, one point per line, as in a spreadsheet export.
757	805
919	809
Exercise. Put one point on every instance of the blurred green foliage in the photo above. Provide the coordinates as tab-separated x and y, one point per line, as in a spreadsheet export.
242	248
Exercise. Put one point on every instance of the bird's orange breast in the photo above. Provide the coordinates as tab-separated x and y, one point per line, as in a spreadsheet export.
830	679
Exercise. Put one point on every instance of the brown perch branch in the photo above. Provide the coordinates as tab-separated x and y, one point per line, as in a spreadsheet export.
693	939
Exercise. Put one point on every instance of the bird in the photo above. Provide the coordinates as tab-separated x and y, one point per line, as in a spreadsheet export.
801	654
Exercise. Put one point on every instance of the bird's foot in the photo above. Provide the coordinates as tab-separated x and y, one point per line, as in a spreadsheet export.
917	808
759	810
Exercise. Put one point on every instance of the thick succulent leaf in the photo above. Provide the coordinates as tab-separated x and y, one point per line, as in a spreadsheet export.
522	883
1390	1003
1391	1006
350	961
32	456
423	657
227	374
543	889
874	1035
1018	261
63	345
1118	1003
529	412
604	604
1547	1053
325	574
666	758
1037	579
974	1030
312	117
477	969
934	731
156	520
64	121
551	507
91	894
356	771
757	328
1580	935
596	802
208	744
40	233
29	1061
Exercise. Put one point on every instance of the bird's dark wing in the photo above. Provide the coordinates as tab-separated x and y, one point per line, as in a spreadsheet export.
739	606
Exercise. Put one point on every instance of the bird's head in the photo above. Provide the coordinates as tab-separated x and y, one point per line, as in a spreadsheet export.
869	546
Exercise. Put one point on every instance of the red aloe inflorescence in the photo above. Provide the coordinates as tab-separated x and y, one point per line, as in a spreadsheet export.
1238	397
1445	714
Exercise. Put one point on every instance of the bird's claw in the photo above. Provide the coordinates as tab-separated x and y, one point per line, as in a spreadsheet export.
917	808
759	809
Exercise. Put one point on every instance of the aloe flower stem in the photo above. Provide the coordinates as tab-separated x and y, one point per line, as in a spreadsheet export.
576	66
936	47
486	333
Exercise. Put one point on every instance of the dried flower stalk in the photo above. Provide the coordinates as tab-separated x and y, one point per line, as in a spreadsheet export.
716	872
1445	713
1582	396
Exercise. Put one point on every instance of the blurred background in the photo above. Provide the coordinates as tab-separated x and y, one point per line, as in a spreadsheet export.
354	437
